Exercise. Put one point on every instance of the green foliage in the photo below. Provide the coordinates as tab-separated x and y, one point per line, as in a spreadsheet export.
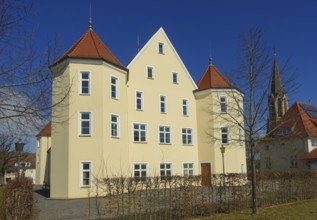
17	199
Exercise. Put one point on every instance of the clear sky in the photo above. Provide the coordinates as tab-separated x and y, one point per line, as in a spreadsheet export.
195	28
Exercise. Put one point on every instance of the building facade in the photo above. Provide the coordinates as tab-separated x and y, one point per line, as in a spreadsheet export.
148	118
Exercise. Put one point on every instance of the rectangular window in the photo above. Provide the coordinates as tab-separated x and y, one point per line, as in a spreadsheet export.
114	125
188	169
161	48
165	171
187	136
84	83
85	180
223	104
114	87
85	123
175	78
224	136
140	171
150	74
164	135
163	104
139	100
139	132
185	107
314	142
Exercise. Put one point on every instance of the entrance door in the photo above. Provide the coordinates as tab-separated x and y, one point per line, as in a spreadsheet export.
205	174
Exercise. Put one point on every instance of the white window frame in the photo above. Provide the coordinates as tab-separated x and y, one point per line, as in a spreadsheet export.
314	142
187	169
185	107
82	170
160	48
80	120
176	77
139	130
81	80
140	170
166	170
187	134
139	99
165	134
163	104
115	86
147	72
223	104
117	123
222	133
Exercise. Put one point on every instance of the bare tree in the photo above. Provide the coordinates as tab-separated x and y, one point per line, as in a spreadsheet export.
25	80
6	155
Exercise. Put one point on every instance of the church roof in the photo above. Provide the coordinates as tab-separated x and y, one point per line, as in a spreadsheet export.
276	82
212	78
90	46
46	131
299	120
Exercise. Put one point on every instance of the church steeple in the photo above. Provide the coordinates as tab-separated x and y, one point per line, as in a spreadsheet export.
278	100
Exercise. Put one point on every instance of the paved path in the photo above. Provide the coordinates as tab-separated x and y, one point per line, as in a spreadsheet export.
51	209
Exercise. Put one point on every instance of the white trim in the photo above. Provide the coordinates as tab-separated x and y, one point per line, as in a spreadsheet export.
187	107
146	132
159	167
177	78
228	139
161	30
81	173
158	134
90	124
159	43
147	167
142	100
80	72
226	103
192	136
117	87
147	68
188	163
118	125
165	104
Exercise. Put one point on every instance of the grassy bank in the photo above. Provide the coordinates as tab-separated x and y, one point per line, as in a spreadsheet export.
303	210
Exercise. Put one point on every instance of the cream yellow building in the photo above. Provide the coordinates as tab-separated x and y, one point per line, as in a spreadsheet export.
146	119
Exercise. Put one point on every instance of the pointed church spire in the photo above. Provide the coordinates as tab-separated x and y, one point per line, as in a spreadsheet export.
278	100
90	18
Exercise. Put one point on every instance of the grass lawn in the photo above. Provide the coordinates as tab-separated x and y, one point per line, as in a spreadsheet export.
303	210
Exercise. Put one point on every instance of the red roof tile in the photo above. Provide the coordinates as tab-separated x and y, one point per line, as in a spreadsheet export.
312	155
46	131
297	119
90	46
212	78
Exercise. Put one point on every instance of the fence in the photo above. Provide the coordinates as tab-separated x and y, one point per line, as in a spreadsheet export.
184	197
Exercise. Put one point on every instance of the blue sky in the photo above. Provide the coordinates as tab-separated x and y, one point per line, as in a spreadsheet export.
195	28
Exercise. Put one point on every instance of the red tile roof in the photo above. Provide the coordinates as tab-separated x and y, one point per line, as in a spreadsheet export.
46	131
212	78
90	46
312	155
298	120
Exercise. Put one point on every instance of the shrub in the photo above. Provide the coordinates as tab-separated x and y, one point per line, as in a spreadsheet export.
17	200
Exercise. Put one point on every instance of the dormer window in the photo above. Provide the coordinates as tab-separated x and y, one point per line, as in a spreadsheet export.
161	48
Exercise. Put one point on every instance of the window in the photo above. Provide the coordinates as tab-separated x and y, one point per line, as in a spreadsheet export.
185	107
188	169
140	171
85	123
175	78
224	136
114	125
150	73
139	132
85	179
114	87
268	163
161	48
84	83
314	142
164	135
223	104
139	100
163	104
165	171
187	136
293	162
